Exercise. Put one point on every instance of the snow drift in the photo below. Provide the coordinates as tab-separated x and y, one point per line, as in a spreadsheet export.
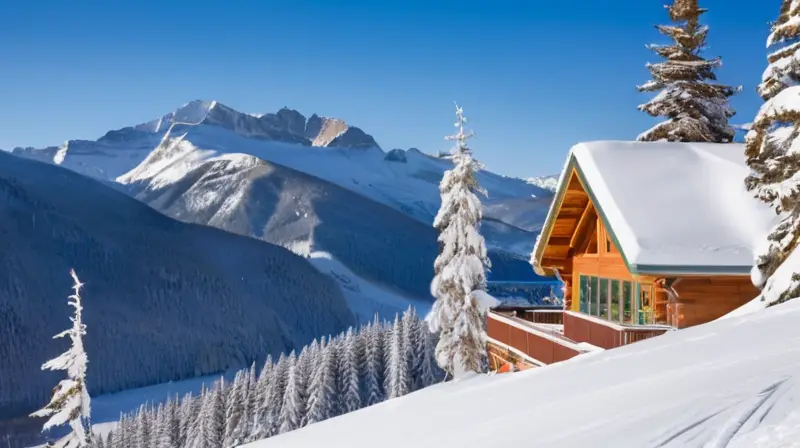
727	383
163	300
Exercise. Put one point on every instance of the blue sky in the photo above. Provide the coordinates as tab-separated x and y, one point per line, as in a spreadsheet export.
534	76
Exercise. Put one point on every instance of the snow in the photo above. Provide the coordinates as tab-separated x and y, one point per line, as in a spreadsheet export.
695	212
364	297
726	383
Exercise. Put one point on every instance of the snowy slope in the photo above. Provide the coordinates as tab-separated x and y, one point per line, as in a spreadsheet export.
164	300
249	196
728	383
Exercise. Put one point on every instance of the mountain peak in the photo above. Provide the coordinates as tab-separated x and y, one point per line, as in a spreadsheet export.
287	125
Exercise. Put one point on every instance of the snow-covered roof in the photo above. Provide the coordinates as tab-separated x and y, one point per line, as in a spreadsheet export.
673	207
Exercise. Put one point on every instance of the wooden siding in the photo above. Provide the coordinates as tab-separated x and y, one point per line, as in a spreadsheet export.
531	342
603	335
703	299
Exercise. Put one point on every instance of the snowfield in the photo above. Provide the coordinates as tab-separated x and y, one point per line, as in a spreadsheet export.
729	383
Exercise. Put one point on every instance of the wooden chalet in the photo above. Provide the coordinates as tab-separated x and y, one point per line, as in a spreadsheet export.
647	238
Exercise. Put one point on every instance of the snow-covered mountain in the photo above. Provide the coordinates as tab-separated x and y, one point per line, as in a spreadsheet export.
728	383
314	182
546	182
163	300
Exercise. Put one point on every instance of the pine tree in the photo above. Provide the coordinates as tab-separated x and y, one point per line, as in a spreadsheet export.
397	365
461	265
414	345
187	417
349	374
771	150
234	411
211	421
322	390
71	402
429	370
373	365
293	409
274	402
695	110
263	392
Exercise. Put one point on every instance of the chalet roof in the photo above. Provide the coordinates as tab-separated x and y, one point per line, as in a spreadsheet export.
671	208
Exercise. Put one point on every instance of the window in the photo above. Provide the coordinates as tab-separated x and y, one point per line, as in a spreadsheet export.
627	299
585	293
603	298
593	296
616	301
646	306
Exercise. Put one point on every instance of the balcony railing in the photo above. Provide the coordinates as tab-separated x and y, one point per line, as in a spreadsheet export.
542	344
583	328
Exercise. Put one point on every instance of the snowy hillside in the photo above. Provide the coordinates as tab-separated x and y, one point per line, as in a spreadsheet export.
727	383
244	194
163	300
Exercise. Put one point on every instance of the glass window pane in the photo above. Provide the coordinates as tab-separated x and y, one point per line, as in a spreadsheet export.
646	311
593	296
627	308
603	301
584	294
616	300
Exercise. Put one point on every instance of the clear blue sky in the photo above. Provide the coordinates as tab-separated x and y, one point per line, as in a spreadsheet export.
534	76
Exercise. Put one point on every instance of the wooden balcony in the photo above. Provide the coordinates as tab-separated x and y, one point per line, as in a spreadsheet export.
533	343
582	328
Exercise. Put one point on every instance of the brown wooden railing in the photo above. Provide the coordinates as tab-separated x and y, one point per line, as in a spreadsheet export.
605	335
546	347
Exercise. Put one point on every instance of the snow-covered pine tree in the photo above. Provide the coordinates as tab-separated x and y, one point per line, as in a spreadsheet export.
292	411
373	365
322	390
461	265
771	150
413	347
396	368
186	417
211	421
274	402
349	376
695	109
263	392
71	403
235	407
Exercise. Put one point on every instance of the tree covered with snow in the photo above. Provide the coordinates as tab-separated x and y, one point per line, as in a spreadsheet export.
461	265
771	147
695	110
71	403
331	376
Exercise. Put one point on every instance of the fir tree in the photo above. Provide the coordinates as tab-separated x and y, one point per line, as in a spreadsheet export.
187	416
293	409
461	265
414	344
695	109
772	155
397	366
373	366
349	374
263	394
322	390
71	402
234	411
211	421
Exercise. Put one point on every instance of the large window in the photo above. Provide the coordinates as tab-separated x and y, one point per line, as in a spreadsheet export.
603	292
616	300
627	301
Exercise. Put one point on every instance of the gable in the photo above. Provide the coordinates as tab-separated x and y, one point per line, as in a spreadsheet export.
666	227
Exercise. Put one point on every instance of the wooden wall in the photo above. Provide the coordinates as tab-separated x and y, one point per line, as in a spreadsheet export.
703	299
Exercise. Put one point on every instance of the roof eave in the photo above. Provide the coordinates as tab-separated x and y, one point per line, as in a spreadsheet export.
662	270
